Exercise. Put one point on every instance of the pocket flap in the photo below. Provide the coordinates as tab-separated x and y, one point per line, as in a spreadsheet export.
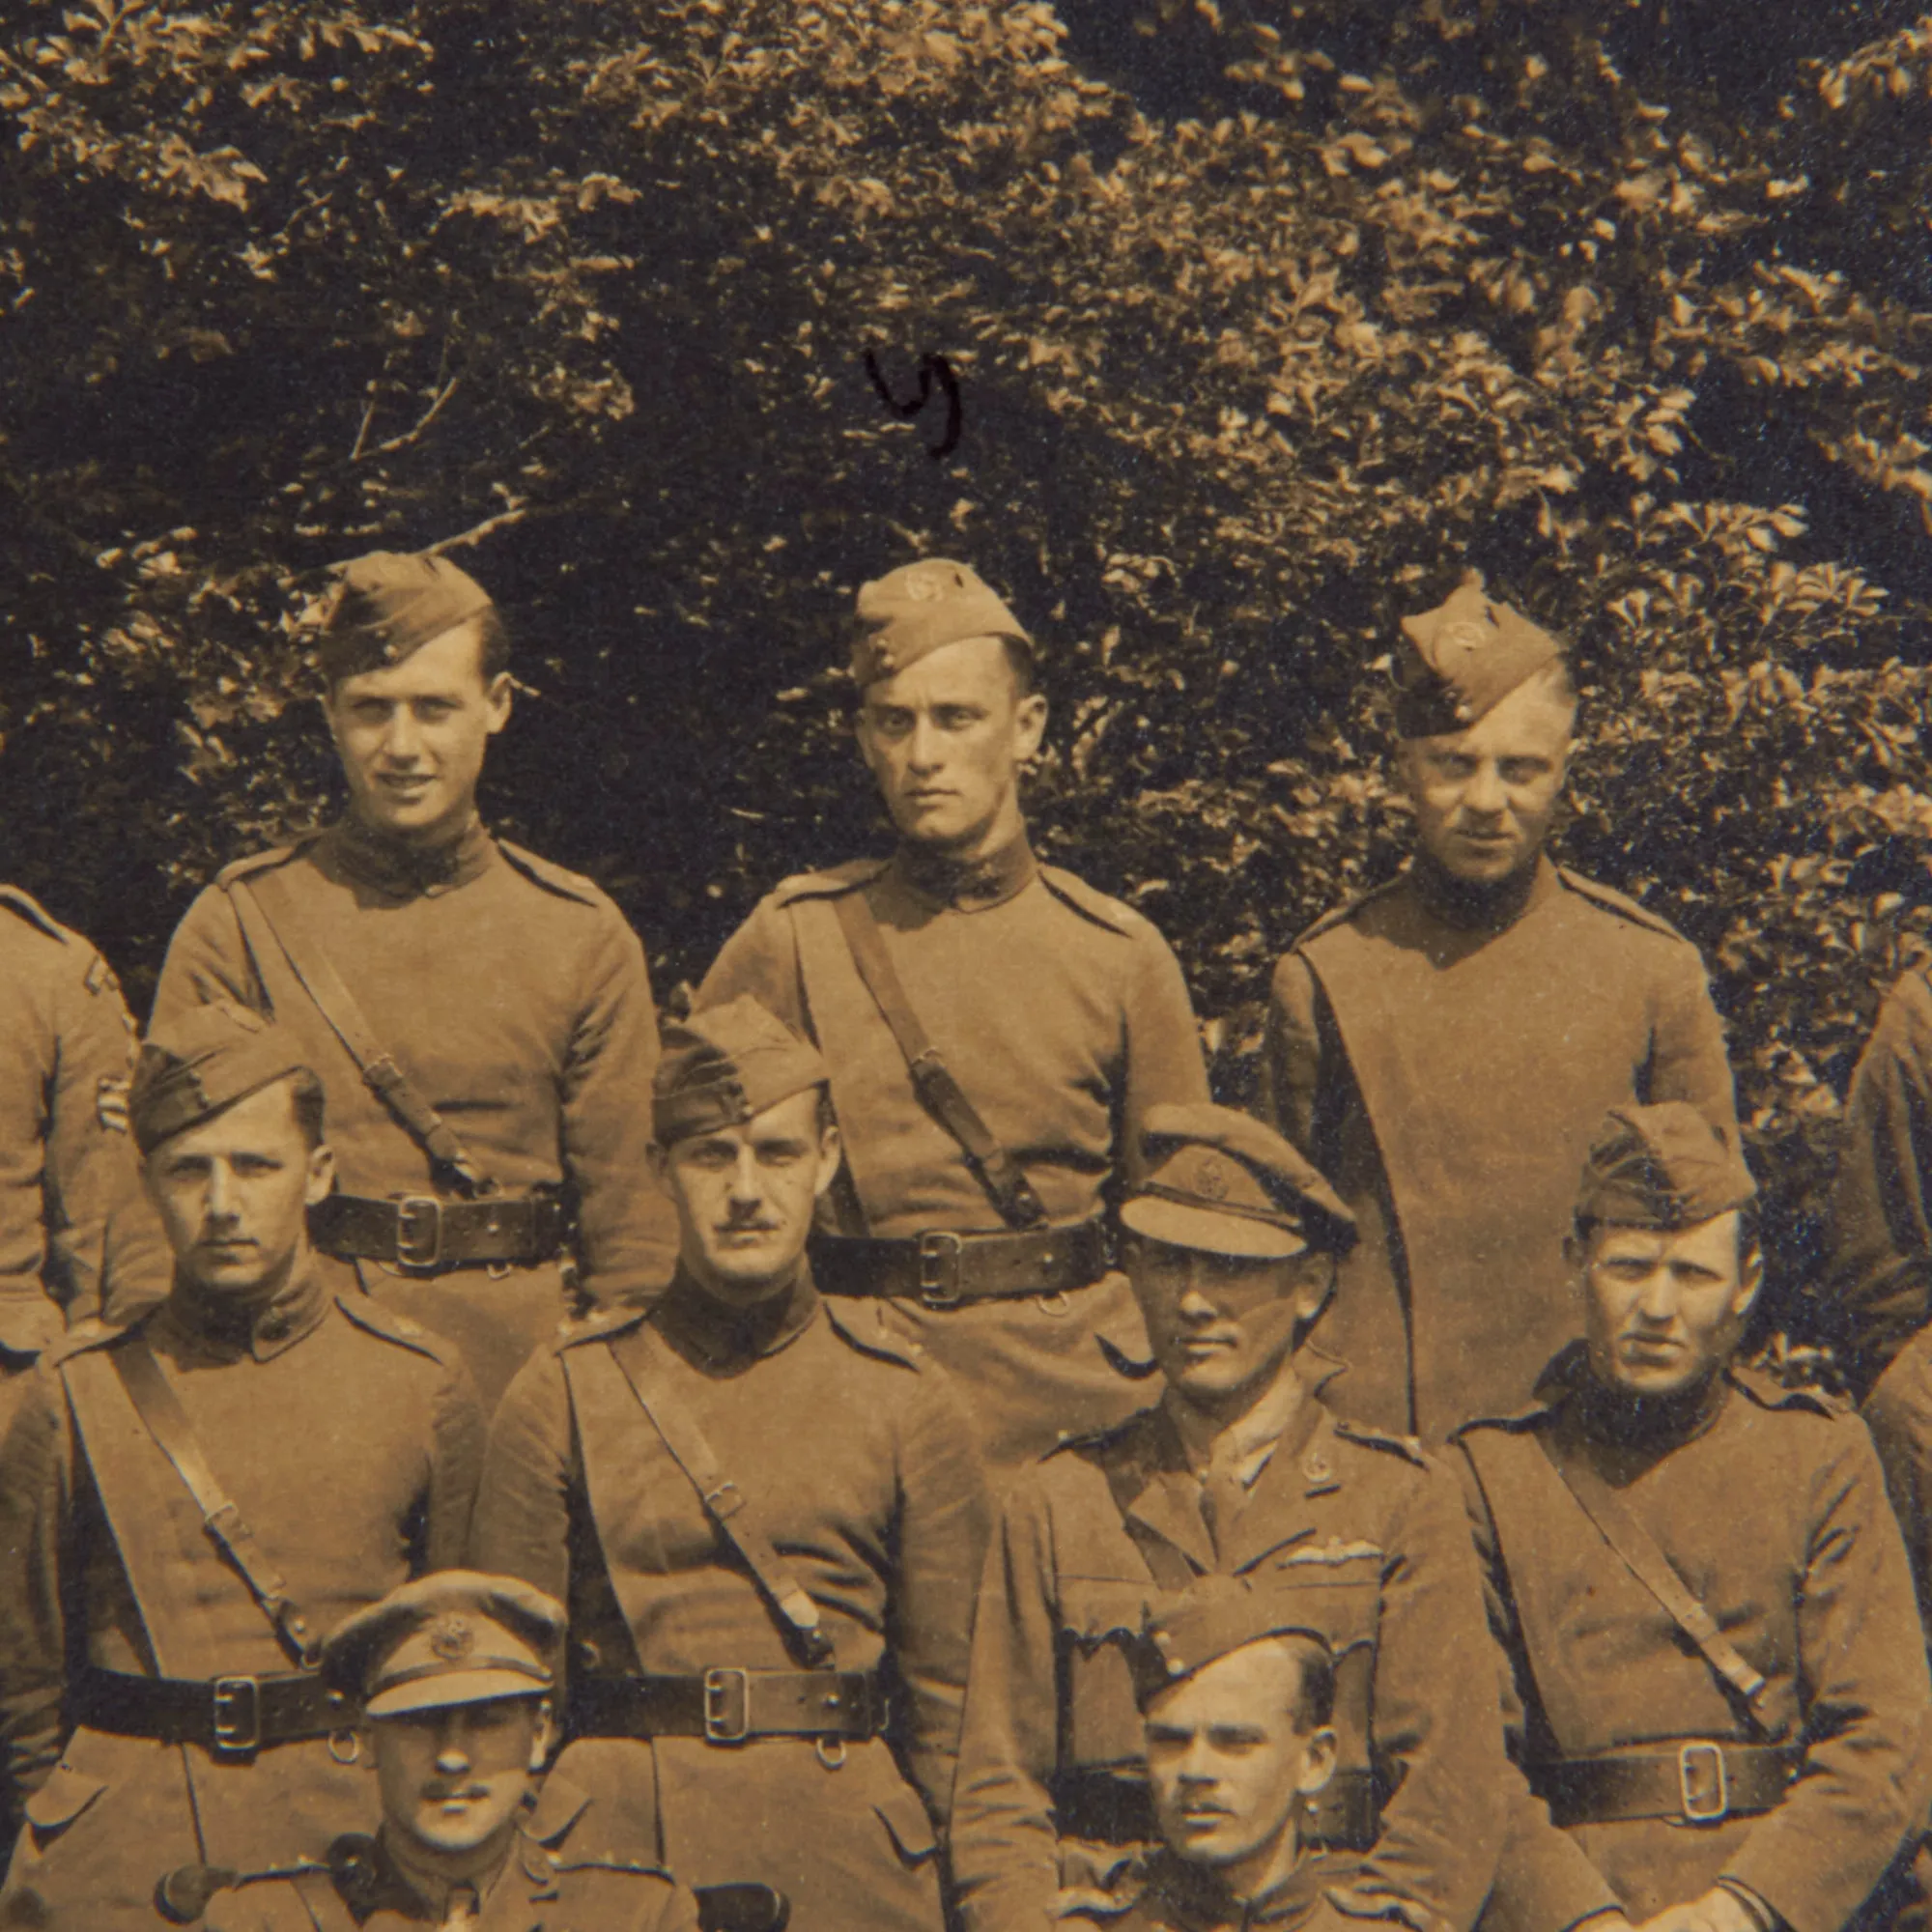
62	1799
903	1814
1098	1609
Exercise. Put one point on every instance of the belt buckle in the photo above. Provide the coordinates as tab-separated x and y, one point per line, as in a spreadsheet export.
1711	1809
414	1214
939	1253
720	1683
235	1711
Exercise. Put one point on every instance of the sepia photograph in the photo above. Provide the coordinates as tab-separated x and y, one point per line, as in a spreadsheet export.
965	965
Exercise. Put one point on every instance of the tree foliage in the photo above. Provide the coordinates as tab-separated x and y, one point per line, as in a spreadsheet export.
1269	321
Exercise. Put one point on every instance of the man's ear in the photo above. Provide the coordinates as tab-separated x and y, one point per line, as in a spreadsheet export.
1314	1284
321	1173
831	1152
542	1737
1320	1749
499	697
1028	725
1751	1278
365	1744
659	1164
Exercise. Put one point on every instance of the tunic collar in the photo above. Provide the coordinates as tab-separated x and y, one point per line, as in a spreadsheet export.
403	872
1195	1898
203	1332
1475	908
1643	1426
722	1340
421	1895
974	884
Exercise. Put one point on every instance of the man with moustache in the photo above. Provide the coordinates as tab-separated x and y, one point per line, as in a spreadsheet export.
995	1031
1716	1682
1243	1469
455	1677
189	1501
483	1018
760	1508
1445	1046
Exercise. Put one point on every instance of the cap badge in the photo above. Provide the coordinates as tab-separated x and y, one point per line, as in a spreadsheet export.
1464	636
453	1638
1211	1180
923	586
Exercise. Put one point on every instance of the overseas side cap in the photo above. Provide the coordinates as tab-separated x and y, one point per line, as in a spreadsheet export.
1222	1181
1664	1167
725	1065
200	1061
389	604
918	608
1187	1630
1461	659
454	1637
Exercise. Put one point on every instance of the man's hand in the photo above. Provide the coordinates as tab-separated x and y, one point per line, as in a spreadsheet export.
1719	1911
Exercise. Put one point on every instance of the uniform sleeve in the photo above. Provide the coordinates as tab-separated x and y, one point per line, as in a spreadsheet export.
1291	1054
1862	1669
1688	1056
626	1230
105	1242
1436	1734
36	1482
208	960
456	1466
1543	1881
1164	1061
943	1521
522	1522
761	960
1881	1226
1005	1867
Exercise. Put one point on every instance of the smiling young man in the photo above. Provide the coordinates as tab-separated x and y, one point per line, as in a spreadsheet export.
190	1500
1445	1048
483	1018
759	1510
996	1031
1716	1678
1242	1471
454	1677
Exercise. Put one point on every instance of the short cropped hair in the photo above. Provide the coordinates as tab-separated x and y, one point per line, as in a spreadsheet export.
307	1102
1313	1702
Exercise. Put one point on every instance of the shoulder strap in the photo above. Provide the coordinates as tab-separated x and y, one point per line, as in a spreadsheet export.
1648	1564
932	1079
166	1421
739	1519
323	983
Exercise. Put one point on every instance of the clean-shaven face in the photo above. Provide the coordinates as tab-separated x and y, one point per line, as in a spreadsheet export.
1662	1309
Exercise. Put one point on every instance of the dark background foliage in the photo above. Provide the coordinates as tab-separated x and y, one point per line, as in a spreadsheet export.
1269	319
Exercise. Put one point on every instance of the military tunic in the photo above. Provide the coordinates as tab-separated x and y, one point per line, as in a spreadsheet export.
348	1440
76	1227
1052	1734
1172	1896
1447	1079
1769	1505
569	1870
515	999
1063	1016
865	1469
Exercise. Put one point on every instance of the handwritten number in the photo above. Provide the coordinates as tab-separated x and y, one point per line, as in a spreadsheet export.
934	371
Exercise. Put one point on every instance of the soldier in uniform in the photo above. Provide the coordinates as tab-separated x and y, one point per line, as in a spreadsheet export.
756	1507
455	1677
1242	1469
1717	1680
996	1030
1445	1048
76	1228
483	1018
188	1502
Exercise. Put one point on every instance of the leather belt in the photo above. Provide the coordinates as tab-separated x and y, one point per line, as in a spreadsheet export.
730	1706
1696	1782
942	1269
1115	1808
232	1715
427	1234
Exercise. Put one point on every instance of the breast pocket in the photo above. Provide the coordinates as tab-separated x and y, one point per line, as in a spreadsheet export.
908	1825
1098	1615
60	1801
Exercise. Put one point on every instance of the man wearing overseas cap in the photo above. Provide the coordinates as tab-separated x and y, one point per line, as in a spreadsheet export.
758	1505
483	1018
455	1677
1716	1681
1444	1047
1242	1469
189	1501
995	1028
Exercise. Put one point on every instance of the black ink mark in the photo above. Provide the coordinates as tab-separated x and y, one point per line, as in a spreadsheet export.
932	369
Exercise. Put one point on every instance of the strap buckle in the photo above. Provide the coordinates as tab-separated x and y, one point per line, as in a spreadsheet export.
1705	1794
939	1253
724	1684
234	1713
418	1231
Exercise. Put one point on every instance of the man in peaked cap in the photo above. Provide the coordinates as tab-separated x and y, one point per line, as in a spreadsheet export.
1716	1681
1243	1469
455	1677
483	1018
995	1029
755	1503
190	1499
1445	1046
76	1230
